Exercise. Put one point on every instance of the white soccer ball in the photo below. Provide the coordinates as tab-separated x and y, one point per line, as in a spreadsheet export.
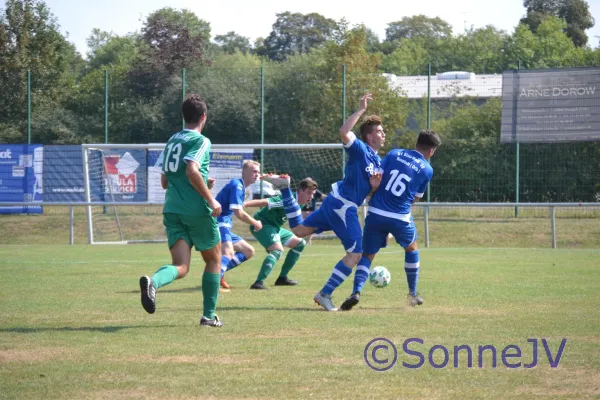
380	277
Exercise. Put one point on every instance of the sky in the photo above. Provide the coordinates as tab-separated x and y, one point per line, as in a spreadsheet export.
254	18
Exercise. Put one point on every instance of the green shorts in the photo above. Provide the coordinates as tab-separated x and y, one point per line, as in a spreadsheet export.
201	232
270	234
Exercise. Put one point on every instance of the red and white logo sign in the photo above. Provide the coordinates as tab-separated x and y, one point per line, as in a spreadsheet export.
120	174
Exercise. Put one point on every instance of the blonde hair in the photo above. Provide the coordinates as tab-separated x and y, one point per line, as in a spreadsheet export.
249	163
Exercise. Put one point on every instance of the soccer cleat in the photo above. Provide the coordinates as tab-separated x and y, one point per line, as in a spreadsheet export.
285	281
278	181
224	284
324	300
259	285
350	302
414	300
148	294
213	323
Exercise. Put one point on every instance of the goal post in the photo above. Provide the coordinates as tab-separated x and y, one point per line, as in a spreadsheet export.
124	179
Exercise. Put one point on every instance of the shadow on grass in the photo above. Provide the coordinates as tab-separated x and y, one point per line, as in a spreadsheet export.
103	329
170	290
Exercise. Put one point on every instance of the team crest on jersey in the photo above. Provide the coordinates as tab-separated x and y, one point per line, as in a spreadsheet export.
275	237
120	174
372	169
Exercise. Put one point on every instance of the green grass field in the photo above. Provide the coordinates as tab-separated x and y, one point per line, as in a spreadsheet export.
72	327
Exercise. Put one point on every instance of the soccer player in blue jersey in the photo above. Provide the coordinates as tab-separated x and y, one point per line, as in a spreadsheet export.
236	250
338	212
406	174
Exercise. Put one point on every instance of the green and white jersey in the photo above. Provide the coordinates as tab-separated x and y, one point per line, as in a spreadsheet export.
273	214
181	197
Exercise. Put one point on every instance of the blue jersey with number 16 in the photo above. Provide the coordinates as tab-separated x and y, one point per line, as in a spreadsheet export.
406	174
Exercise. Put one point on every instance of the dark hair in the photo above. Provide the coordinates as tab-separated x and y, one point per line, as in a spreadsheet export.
307	183
193	108
428	139
367	126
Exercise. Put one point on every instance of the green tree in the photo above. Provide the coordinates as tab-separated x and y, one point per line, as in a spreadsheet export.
296	33
410	58
575	13
549	47
30	40
418	26
232	42
480	51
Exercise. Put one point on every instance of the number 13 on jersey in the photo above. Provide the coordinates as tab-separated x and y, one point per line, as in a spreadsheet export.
172	158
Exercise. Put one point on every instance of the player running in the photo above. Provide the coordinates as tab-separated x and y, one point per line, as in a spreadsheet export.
189	212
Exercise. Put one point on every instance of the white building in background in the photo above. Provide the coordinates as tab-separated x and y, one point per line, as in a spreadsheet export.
447	85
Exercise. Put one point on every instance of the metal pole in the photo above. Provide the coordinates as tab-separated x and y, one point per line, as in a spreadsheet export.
105	106
28	106
88	196
426	210
183	89
343	113
429	96
553	226
262	123
429	118
517	168
71	230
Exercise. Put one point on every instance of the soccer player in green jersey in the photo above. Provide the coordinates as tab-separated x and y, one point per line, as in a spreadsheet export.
189	212
273	237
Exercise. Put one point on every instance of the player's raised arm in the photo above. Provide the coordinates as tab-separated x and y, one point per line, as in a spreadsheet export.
193	173
346	129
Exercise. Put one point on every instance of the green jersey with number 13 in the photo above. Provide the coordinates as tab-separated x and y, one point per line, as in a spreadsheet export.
181	197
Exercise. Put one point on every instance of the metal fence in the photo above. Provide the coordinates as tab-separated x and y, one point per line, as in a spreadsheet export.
307	104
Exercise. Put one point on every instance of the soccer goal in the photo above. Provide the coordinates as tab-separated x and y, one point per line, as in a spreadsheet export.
123	182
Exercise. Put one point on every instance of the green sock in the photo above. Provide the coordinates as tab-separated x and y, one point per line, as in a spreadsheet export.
165	275
268	264
292	257
210	293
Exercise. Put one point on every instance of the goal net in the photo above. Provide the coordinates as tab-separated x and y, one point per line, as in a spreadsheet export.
123	182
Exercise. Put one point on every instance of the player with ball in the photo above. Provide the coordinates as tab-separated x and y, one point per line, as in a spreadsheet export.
406	174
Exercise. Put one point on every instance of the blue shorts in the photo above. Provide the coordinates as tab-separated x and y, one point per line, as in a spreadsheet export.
228	236
378	227
334	215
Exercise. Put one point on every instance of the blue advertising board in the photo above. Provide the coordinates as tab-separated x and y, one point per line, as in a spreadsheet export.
63	174
21	177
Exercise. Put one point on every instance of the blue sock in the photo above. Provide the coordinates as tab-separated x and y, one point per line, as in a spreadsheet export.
339	275
228	265
361	274
224	264
237	259
291	208
411	267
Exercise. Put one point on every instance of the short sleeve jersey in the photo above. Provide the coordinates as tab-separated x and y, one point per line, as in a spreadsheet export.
231	197
181	197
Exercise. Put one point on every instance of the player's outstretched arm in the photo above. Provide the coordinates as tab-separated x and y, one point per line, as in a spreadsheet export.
244	217
353	119
256	203
193	174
